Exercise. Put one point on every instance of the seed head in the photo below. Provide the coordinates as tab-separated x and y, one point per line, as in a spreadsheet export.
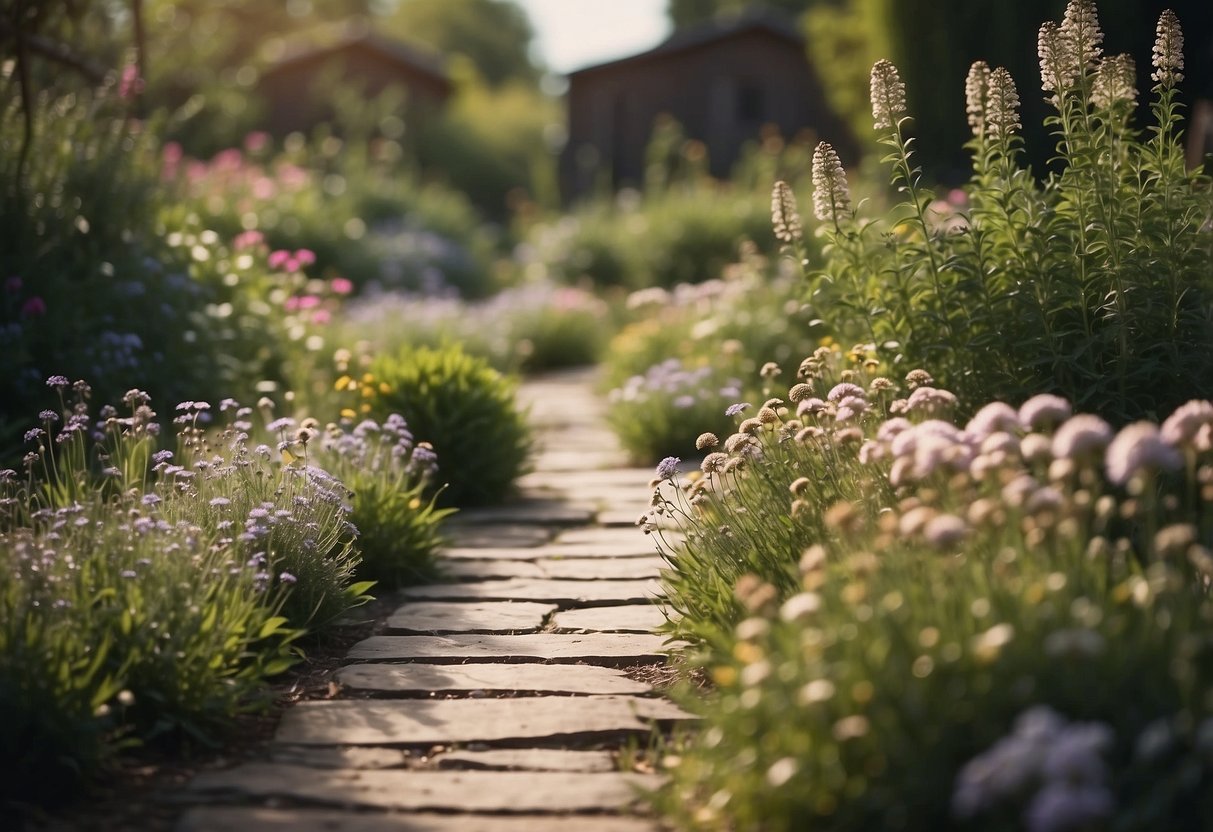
831	196
706	440
784	216
1056	72
1115	80
800	392
888	95
977	83
1002	106
1168	50
1081	36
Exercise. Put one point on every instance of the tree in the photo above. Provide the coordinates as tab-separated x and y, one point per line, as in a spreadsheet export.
495	35
686	12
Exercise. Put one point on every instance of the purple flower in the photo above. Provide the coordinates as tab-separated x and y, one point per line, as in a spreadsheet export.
1061	806
995	417
34	434
1081	436
220	501
668	468
287	578
48	416
844	389
58	382
1043	410
737	409
1136	448
1181	427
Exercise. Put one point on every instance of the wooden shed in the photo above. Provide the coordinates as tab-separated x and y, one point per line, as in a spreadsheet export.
723	81
298	88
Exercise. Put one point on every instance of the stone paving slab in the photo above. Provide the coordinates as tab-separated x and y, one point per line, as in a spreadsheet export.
571	569
464	791
251	819
564	719
633	618
567	481
590	648
538	678
599	536
506	534
641	546
486	617
577	460
529	759
557	592
347	758
539	512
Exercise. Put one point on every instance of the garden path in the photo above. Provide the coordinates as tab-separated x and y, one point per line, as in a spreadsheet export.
500	700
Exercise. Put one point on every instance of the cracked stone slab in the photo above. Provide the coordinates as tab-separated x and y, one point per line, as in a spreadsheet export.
253	819
464	791
549	719
552	591
591	648
538	512
327	757
510	534
632	618
529	759
572	569
419	678
486	617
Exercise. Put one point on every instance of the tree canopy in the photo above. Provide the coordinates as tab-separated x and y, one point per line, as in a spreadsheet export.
495	35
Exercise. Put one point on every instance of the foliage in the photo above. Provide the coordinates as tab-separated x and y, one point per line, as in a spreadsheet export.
467	412
142	598
389	474
914	625
659	413
351	204
88	288
495	145
1093	284
494	35
531	327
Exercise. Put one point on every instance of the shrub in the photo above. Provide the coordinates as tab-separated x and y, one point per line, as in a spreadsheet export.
659	413
880	595
1093	284
466	410
389	474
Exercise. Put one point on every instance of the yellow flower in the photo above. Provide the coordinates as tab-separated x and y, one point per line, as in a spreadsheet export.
348	413
342	383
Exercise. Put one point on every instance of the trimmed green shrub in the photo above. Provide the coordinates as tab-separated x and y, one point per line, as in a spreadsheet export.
466	410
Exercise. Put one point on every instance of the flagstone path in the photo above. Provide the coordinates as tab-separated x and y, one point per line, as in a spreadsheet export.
500	699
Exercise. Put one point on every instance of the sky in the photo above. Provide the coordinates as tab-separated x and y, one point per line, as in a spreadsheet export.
571	34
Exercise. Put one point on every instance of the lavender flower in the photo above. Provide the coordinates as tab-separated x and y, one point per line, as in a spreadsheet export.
58	382
1045	409
1081	436
668	468
737	409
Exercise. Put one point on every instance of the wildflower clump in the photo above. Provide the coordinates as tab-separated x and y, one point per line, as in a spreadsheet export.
893	604
1089	279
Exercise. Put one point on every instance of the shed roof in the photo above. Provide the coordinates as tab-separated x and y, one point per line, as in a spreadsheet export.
360	36
710	31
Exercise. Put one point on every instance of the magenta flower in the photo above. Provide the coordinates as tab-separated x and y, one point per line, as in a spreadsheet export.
321	316
279	259
305	257
308	302
248	239
34	307
341	286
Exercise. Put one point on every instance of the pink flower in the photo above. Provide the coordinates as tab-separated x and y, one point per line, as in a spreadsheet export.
305	257
1045	409
248	239
321	316
994	418
130	84
1081	436
13	285
291	304
1181	427
309	302
256	141
279	259
341	286
34	307
1136	448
